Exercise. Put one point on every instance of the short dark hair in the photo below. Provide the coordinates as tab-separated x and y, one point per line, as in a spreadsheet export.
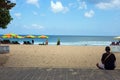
107	49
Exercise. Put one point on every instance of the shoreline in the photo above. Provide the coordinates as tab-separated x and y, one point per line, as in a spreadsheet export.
56	56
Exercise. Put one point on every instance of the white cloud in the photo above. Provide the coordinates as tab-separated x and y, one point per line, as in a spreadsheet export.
58	7
34	2
73	5
79	4
89	14
108	5
82	5
18	15
34	26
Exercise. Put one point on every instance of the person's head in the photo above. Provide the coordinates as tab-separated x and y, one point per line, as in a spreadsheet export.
107	49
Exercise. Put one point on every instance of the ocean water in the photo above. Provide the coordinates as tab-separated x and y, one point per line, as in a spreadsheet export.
71	40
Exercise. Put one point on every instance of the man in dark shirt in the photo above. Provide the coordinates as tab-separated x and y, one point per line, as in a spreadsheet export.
108	59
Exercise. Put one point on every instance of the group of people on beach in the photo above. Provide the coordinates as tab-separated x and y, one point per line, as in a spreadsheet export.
46	42
115	43
108	59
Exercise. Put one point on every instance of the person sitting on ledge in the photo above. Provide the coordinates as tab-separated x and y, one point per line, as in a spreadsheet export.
108	60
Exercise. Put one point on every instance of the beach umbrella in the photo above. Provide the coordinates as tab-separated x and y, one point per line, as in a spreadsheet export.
9	35
6	37
30	36
19	36
43	37
117	38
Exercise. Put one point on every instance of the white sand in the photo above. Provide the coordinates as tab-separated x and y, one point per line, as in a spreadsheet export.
56	56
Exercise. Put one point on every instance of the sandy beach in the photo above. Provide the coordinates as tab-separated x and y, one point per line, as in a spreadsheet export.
54	56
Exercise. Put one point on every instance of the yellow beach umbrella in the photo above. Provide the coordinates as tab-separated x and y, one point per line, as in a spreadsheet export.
9	35
30	36
19	37
6	36
43	36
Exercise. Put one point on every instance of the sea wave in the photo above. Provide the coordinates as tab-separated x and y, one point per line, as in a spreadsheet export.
84	43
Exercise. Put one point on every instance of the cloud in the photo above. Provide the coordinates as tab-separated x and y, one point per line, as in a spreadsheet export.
73	5
33	2
82	5
89	14
34	26
58	7
18	15
79	4
109	5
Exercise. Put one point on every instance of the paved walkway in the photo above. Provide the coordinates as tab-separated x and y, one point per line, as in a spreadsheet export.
7	73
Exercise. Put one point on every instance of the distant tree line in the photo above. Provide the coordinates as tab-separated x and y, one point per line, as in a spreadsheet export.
5	17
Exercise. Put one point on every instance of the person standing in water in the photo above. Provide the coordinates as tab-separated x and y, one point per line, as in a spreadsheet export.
46	42
32	41
58	42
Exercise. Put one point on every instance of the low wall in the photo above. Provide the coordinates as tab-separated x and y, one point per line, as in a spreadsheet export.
4	49
115	48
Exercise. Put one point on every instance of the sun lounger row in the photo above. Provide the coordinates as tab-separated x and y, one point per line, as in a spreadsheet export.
9	42
27	42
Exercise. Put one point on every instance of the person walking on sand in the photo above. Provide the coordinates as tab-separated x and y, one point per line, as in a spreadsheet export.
108	60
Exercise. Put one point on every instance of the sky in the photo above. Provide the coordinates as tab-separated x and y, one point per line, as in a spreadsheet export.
65	17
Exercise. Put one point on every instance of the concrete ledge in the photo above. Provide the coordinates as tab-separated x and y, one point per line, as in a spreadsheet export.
4	49
115	48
